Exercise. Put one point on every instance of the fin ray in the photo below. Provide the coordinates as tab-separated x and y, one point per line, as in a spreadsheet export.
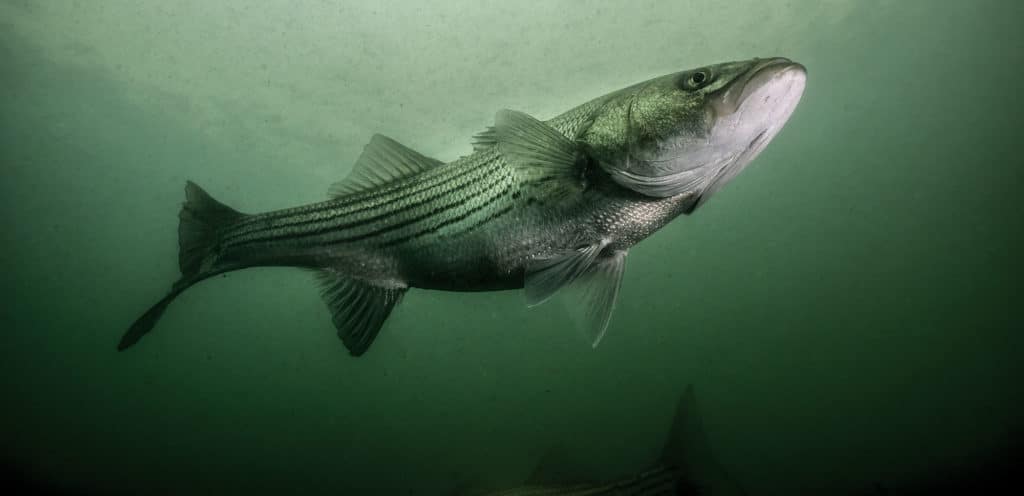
358	308
383	160
546	276
592	295
201	220
144	324
485	139
200	223
546	160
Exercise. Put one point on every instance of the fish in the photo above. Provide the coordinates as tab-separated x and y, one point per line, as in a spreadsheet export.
545	206
685	466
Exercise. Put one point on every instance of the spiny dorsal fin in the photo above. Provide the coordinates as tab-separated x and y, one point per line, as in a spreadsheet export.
484	139
358	308
547	162
383	160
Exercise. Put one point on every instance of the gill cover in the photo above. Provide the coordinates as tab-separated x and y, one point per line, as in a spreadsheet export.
692	131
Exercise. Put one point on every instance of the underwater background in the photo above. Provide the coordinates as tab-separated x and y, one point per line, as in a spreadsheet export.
847	310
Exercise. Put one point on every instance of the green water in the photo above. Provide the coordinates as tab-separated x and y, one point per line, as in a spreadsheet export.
847	309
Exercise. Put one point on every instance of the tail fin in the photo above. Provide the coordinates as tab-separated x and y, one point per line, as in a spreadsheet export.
201	221
144	324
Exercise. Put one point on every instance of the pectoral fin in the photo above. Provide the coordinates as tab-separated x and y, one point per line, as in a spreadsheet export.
548	163
358	308
591	297
545	276
592	285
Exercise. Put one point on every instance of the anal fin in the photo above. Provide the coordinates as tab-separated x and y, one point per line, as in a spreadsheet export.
358	308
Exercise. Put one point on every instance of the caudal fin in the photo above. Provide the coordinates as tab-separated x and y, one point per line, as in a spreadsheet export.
145	323
201	221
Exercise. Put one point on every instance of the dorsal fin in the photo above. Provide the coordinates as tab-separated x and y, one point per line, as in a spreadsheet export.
485	139
383	160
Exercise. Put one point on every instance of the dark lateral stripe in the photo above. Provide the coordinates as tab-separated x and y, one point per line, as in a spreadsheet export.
443	186
432	213
495	215
367	197
310	216
504	210
329	223
333	226
497	179
363	203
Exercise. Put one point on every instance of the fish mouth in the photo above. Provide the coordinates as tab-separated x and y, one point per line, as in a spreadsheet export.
752	111
781	74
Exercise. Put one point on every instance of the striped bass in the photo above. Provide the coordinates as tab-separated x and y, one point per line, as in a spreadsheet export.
545	206
687	466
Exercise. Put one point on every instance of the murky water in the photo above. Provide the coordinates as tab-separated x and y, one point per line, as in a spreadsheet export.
847	309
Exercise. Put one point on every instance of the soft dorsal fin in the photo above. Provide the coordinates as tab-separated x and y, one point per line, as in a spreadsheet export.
383	160
358	308
546	160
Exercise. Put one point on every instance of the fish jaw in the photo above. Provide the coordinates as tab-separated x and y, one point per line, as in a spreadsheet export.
751	113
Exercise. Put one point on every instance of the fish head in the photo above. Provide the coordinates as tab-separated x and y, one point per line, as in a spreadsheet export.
693	131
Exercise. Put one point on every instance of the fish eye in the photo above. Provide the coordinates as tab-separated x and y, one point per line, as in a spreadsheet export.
696	80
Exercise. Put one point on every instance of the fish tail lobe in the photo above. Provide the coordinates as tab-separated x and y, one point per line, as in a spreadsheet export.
201	221
145	323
